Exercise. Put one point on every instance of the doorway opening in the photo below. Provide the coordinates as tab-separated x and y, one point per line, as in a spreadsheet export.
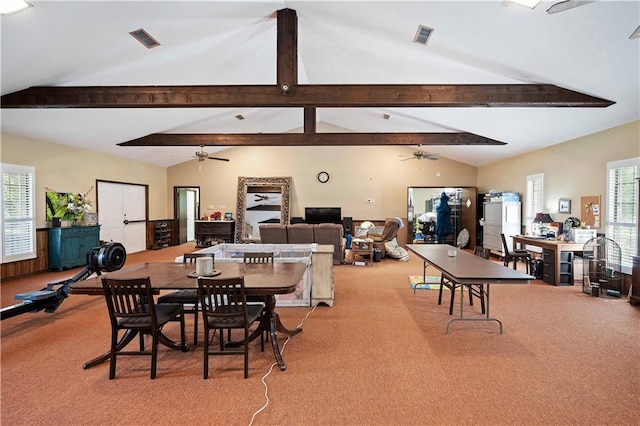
186	211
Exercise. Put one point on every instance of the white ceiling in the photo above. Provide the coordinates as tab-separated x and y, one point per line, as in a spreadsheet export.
75	43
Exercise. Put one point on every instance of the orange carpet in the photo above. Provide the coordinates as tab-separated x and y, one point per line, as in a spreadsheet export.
380	356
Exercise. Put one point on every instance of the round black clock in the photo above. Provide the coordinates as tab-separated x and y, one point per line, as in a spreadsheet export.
323	177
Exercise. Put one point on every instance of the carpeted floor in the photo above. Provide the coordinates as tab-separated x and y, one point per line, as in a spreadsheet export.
380	356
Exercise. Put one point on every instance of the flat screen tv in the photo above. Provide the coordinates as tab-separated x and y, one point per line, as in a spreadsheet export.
316	215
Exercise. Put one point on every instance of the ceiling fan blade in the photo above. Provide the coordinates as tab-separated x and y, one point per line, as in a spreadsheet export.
219	159
566	5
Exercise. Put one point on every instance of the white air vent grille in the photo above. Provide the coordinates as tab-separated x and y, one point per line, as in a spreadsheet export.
145	38
423	34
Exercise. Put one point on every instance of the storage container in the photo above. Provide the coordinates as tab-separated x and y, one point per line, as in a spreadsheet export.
581	236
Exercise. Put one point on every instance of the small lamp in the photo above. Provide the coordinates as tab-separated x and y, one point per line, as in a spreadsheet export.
542	219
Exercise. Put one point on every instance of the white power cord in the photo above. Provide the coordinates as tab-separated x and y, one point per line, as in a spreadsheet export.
266	387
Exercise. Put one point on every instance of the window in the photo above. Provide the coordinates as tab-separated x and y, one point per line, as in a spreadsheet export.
535	198
622	212
18	222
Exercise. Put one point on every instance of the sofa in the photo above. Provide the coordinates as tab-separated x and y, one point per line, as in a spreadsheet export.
305	233
273	233
332	234
300	233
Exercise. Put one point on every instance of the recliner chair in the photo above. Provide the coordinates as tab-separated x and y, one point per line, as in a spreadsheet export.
391	227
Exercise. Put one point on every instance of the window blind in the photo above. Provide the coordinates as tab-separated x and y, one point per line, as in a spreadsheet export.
18	213
534	198
622	212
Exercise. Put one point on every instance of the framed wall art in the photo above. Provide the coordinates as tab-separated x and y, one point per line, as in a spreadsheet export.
564	205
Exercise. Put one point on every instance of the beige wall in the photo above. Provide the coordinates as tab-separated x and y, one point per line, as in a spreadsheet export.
571	170
357	173
66	169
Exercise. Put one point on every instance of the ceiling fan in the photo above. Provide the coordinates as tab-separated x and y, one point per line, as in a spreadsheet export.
203	155
421	155
566	5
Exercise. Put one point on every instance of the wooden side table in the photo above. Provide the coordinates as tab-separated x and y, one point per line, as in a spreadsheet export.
363	247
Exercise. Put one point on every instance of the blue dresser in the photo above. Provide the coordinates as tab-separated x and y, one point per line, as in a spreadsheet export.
68	247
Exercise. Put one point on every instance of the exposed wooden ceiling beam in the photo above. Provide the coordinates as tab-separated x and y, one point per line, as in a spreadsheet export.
287	48
286	93
306	139
312	95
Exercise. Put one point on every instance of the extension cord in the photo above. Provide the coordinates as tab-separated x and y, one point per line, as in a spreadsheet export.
266	387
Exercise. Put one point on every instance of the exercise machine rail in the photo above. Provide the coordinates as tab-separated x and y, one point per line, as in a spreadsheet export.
107	257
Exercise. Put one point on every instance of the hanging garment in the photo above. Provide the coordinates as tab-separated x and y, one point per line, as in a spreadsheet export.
443	218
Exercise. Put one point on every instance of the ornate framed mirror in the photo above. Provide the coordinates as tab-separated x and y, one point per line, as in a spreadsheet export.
261	200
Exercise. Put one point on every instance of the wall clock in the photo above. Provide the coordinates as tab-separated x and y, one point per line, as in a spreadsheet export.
323	177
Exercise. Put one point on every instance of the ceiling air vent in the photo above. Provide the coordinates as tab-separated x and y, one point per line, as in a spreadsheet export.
422	35
145	38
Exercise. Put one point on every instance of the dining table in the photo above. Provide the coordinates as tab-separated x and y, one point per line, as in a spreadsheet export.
267	280
464	268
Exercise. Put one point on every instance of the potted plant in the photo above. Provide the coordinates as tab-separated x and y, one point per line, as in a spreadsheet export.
569	223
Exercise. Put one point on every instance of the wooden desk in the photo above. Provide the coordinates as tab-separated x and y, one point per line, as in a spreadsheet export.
260	280
465	268
557	247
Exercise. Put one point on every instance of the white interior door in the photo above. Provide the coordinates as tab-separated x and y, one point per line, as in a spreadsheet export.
122	214
110	211
134	206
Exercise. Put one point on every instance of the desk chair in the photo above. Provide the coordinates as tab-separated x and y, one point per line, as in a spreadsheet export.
131	308
475	290
224	306
188	297
515	255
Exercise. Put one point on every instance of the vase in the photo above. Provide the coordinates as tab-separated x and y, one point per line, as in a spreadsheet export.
75	221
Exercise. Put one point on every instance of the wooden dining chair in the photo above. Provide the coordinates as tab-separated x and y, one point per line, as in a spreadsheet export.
474	290
224	307
132	309
515	255
188	298
258	257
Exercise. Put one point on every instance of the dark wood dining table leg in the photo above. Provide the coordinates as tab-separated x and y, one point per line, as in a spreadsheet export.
275	326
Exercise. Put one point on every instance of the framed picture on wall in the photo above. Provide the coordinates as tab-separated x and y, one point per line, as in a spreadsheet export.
564	205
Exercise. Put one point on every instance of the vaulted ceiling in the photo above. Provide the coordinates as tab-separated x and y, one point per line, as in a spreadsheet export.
530	67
